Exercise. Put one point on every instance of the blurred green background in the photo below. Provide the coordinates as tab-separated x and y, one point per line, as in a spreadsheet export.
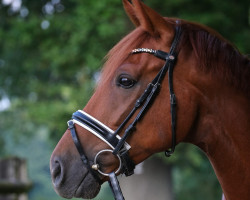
50	56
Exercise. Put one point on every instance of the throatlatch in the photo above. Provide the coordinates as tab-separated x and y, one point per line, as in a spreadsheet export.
118	144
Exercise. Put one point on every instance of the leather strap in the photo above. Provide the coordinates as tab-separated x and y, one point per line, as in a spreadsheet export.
95	126
128	164
115	186
151	92
79	148
77	143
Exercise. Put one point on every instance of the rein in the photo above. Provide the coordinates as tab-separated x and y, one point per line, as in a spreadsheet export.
119	146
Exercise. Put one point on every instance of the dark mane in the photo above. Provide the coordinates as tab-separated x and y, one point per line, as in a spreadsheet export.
213	53
218	56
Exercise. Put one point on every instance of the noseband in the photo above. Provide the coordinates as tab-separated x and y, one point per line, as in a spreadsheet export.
119	146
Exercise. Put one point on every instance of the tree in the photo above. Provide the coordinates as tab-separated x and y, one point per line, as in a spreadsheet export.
48	61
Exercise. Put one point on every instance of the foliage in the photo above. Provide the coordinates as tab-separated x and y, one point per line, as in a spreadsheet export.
50	53
193	175
46	72
230	19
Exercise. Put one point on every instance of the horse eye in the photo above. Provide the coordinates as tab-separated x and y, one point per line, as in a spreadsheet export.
125	82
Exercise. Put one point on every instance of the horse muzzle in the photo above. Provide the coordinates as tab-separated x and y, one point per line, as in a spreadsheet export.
71	178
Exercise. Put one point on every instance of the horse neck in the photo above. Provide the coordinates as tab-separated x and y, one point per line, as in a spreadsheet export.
223	134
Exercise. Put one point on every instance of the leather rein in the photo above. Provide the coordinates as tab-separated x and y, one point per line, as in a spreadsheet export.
119	146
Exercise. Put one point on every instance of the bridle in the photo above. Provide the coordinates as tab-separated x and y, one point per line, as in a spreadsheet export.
119	146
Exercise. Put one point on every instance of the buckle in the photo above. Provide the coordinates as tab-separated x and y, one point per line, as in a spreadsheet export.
173	99
70	124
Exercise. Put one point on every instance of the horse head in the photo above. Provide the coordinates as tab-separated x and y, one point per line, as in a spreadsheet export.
133	65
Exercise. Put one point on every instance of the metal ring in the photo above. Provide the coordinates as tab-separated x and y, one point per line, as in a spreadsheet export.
108	150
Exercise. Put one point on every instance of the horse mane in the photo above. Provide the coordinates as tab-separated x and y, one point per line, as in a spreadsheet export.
218	56
213	53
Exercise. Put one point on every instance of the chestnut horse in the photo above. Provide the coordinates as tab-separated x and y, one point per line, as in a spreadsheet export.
211	82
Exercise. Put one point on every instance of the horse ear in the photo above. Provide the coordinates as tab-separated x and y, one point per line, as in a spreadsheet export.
152	22
129	8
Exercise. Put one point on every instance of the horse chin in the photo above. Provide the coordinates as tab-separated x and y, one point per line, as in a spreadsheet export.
86	188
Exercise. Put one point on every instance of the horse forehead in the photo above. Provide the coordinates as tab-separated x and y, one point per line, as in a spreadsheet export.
135	65
141	61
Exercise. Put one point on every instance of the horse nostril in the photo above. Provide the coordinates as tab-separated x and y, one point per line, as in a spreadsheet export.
56	172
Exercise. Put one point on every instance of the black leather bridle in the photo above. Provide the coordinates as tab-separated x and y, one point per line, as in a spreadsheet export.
118	144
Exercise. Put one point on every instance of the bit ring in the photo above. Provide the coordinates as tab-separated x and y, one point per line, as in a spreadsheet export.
97	168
